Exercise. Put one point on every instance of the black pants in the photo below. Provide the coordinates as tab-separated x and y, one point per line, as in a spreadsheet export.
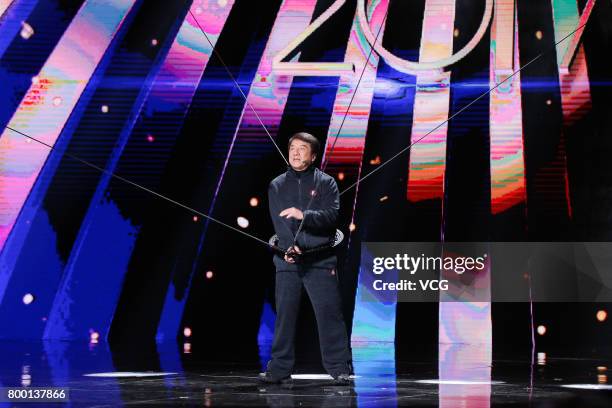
322	288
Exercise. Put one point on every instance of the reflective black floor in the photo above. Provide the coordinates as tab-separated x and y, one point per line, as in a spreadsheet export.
458	376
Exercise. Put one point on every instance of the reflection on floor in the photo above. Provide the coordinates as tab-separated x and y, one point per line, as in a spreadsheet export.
167	375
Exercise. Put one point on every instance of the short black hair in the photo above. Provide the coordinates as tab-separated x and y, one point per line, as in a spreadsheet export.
308	138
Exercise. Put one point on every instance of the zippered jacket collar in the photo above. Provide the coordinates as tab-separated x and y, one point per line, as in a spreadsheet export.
299	174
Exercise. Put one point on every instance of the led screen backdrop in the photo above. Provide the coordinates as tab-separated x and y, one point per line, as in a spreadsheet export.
183	97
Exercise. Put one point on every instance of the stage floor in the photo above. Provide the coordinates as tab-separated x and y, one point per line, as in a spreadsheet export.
459	376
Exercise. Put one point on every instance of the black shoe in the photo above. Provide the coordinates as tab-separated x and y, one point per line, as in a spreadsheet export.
342	379
270	379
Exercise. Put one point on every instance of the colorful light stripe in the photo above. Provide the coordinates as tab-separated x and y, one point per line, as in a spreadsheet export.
375	312
465	322
464	371
269	90
348	142
502	37
176	84
566	20
45	108
575	86
506	117
575	89
573	76
470	322
431	105
372	321
172	88
50	100
180	74
311	68
374	365
4	5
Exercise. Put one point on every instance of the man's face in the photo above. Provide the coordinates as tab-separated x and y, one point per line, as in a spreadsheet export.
300	155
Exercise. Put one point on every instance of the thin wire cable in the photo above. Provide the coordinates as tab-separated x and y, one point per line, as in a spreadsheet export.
405	149
533	340
110	173
214	50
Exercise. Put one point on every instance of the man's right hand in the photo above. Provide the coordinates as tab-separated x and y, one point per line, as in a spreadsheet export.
291	253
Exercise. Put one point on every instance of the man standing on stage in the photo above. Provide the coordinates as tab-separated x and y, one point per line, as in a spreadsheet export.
304	204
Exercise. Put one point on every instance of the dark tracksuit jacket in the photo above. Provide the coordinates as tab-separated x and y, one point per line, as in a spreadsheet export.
294	189
316	274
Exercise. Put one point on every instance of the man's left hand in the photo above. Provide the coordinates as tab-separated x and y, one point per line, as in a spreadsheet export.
292	213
